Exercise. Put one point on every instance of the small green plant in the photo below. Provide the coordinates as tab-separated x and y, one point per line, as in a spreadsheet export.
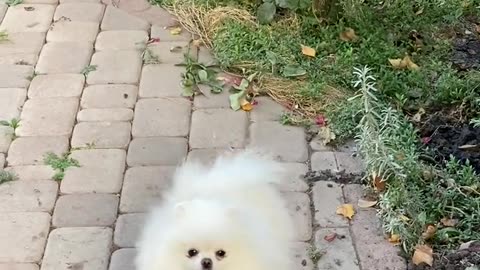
12	3
31	77
60	164
197	73
89	69
149	57
14	123
7	176
3	36
314	254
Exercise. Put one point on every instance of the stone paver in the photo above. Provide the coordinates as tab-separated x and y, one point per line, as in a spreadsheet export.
216	128
82	210
157	151
337	254
64	57
101	171
143	186
161	80
105	115
78	248
109	96
48	117
28	18
23	236
121	67
28	196
82	12
32	150
56	85
101	135
68	31
273	137
161	117
123	259
121	40
88	88
127	229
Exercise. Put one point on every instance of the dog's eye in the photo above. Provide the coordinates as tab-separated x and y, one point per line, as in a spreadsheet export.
220	253
192	252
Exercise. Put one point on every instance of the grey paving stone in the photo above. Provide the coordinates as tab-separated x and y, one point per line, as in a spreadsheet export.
115	67
121	40
6	135
80	1
3	10
143	186
327	196
157	151
161	117
123	259
162	80
100	171
105	115
129	6
271	136
2	160
267	110
216	128
205	56
164	34
15	76
373	250
101	134
109	96
85	210
23	236
22	43
56	85
349	163
156	15
48	117
299	207
48	2
211	100
72	31
295	177
302	260
78	248
32	172
22	18
337	254
317	145
127	229
321	161
29	59
78	11
18	266
58	57
168	56
11	102
32	150
28	196
208	156
117	19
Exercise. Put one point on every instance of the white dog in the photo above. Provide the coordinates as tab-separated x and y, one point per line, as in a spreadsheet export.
227	217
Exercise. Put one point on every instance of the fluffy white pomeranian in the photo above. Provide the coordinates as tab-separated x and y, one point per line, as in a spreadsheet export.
230	216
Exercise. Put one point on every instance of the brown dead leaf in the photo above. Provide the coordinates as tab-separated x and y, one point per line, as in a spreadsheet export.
346	210
449	222
378	183
308	51
423	254
366	204
175	31
429	232
394	239
348	35
197	42
330	237
247	106
406	62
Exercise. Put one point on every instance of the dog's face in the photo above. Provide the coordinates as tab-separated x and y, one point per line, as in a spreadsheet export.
207	237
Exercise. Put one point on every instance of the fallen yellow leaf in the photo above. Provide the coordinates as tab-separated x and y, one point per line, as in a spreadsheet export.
409	63
449	222
423	254
197	43
394	239
348	35
366	204
308	51
404	218
326	135
346	210
247	106
429	232
175	31
397	63
406	62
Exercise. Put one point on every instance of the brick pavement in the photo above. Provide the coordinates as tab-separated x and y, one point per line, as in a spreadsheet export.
128	127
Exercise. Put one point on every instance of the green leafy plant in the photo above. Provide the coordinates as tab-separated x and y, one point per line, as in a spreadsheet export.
89	69
13	123
3	36
60	164
6	176
197	74
12	3
149	57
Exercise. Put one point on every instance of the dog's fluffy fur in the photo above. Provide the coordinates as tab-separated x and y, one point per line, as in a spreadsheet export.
234	206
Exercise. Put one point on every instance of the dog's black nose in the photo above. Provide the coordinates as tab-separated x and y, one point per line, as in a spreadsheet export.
206	263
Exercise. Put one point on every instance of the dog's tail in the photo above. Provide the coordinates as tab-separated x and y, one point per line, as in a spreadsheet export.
244	171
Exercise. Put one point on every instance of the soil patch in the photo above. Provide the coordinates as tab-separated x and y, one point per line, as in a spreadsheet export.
458	260
339	177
